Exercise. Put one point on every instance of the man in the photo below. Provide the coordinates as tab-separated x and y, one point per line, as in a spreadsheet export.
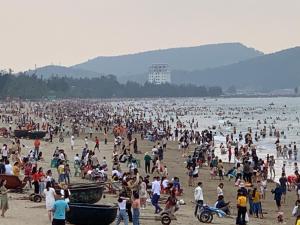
283	184
59	211
198	195
242	208
37	144
147	160
156	194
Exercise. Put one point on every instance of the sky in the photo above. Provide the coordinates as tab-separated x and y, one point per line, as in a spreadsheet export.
68	32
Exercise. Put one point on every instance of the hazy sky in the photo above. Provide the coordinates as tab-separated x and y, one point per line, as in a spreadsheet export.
67	32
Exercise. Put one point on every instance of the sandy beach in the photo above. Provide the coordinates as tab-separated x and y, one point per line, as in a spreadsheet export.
26	212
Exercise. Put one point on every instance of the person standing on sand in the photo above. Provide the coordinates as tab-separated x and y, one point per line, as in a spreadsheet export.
122	210
277	196
136	204
147	159
3	197
50	199
59	211
198	195
37	144
72	142
96	144
242	208
156	194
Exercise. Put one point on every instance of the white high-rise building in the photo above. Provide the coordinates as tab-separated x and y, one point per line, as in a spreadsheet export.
159	74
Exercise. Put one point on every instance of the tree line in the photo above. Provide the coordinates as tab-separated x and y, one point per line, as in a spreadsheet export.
34	87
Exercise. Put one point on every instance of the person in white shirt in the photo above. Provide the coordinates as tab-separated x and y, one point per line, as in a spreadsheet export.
156	194
72	142
115	172
154	150
122	210
165	183
4	152
220	189
198	195
8	168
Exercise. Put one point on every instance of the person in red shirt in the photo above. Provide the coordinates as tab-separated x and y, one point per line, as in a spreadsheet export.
35	178
41	177
96	144
37	144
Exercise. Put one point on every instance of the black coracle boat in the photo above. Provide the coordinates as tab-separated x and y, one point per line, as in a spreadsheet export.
89	214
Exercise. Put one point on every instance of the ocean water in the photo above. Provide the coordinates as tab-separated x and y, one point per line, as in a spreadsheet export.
242	113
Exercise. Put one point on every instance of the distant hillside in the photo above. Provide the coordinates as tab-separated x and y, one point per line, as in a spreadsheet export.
273	71
188	58
48	71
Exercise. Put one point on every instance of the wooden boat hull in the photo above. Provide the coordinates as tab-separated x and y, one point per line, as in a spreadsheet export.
88	214
21	133
29	134
13	182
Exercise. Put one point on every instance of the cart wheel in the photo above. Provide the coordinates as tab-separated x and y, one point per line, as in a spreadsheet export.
37	198
205	217
165	220
31	197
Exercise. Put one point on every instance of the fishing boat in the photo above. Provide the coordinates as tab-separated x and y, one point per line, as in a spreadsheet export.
29	134
13	182
89	214
89	193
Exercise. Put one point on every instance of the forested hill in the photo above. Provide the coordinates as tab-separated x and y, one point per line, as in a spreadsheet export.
32	87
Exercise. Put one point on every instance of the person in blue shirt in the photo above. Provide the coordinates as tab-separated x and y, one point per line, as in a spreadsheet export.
59	209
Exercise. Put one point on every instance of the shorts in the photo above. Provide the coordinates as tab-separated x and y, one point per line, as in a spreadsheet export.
58	222
195	175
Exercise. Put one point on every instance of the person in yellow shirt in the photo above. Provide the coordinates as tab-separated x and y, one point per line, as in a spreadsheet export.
242	209
256	196
16	169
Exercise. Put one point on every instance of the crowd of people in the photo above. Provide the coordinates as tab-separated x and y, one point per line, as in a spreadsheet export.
88	121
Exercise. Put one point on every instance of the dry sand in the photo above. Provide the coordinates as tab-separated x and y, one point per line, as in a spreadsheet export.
26	212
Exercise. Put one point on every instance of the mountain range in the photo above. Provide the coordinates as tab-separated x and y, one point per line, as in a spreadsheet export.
225	65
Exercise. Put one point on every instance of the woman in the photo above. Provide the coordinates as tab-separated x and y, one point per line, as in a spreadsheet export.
143	194
42	178
65	192
190	174
4	198
122	210
50	198
35	178
136	204
195	174
171	203
256	203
